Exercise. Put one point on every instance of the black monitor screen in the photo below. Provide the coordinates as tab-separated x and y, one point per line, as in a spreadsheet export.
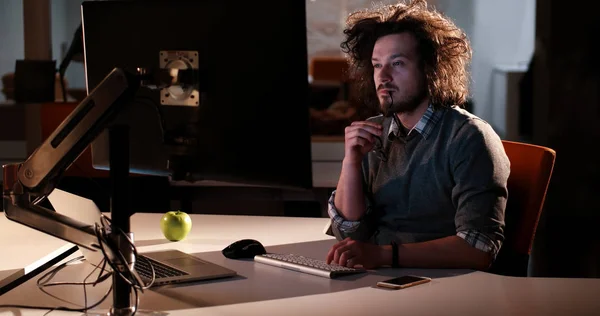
251	123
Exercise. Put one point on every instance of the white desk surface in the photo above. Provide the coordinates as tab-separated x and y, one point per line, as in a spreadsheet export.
265	290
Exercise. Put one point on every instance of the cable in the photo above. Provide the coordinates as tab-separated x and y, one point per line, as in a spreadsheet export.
45	281
161	117
75	49
62	86
53	273
132	278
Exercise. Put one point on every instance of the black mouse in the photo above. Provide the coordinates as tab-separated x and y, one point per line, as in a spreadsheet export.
245	248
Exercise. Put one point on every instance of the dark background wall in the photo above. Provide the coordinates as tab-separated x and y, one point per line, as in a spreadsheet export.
566	117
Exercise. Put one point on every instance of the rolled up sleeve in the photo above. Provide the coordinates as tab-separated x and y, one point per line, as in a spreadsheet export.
342	228
338	222
481	241
480	171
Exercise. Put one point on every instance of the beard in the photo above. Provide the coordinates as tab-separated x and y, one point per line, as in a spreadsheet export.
406	102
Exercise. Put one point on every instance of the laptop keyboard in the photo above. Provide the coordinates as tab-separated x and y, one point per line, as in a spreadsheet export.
306	265
160	270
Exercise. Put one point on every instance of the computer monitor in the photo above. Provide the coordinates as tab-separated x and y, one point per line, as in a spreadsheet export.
251	123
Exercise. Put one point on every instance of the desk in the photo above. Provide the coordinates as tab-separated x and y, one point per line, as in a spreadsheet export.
266	290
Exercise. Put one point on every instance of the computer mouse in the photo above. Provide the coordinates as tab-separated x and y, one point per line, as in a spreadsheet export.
245	248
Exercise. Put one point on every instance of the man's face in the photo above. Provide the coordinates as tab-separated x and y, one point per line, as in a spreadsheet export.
396	70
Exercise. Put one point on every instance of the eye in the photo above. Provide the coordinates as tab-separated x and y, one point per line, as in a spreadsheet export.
376	65
398	63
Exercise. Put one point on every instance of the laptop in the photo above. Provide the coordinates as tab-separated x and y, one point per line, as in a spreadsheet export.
171	266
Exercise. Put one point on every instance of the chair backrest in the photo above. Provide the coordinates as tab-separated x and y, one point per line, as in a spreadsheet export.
531	168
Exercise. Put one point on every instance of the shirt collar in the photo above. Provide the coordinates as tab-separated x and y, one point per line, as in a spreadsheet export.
424	126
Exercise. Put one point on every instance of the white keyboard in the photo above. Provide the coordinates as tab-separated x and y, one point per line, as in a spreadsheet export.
306	265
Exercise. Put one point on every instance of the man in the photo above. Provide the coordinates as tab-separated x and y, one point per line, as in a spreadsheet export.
423	184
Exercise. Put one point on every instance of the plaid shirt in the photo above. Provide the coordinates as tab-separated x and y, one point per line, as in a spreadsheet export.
423	127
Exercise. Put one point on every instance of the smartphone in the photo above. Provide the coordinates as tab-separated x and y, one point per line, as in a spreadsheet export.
403	282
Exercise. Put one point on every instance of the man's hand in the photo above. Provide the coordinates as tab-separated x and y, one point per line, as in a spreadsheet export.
359	139
350	253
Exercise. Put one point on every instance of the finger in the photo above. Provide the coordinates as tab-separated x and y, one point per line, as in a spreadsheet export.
333	248
338	253
346	255
362	134
350	263
359	141
370	129
367	123
365	145
355	142
331	254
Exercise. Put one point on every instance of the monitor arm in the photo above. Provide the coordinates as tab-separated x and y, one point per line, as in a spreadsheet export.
26	184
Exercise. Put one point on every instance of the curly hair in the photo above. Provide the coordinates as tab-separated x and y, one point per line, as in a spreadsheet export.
444	49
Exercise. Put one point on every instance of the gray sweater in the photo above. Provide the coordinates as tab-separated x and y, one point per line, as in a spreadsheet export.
447	176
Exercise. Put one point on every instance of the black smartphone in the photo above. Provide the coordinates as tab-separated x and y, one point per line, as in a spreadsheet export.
403	282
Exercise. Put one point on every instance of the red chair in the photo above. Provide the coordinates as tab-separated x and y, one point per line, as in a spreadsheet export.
530	173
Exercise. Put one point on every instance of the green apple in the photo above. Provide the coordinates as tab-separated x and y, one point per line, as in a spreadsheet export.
175	225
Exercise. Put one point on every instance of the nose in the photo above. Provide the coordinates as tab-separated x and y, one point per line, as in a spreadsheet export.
385	74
